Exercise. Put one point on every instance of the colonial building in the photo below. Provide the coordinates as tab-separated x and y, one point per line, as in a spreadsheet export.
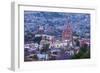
67	36
41	30
67	33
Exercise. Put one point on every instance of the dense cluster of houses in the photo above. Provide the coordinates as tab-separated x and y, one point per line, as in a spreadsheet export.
51	48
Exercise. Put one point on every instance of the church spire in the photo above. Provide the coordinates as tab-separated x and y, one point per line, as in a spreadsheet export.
67	32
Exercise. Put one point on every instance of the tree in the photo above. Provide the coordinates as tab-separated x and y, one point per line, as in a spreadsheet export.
83	53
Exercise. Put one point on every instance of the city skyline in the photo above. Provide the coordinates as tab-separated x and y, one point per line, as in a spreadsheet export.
56	35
